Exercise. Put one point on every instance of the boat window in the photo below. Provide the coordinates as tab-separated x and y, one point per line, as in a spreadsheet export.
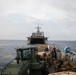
27	54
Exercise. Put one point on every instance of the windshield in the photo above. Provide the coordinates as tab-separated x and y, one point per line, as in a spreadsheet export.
27	54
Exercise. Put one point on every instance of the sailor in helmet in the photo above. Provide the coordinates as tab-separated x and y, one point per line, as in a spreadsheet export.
67	51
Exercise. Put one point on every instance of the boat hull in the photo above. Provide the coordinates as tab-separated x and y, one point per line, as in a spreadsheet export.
37	40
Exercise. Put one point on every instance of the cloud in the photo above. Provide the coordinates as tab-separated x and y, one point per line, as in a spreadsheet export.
35	8
56	17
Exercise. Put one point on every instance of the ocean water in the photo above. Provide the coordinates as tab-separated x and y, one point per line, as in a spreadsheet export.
8	47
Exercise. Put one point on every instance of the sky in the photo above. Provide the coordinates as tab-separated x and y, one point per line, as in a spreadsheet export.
57	18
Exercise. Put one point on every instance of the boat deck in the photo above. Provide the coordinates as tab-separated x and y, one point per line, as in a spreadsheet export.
51	70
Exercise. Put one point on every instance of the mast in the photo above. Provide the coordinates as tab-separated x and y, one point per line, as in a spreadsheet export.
38	29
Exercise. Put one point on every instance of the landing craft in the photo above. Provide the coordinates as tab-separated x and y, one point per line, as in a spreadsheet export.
28	62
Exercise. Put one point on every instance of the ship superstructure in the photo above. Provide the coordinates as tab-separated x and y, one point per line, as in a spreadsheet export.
37	37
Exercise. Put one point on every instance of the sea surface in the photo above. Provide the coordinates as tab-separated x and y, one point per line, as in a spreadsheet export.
8	48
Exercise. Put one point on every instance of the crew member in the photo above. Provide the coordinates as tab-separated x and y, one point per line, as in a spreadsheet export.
54	55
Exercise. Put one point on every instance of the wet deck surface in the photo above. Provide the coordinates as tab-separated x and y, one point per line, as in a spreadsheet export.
51	70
